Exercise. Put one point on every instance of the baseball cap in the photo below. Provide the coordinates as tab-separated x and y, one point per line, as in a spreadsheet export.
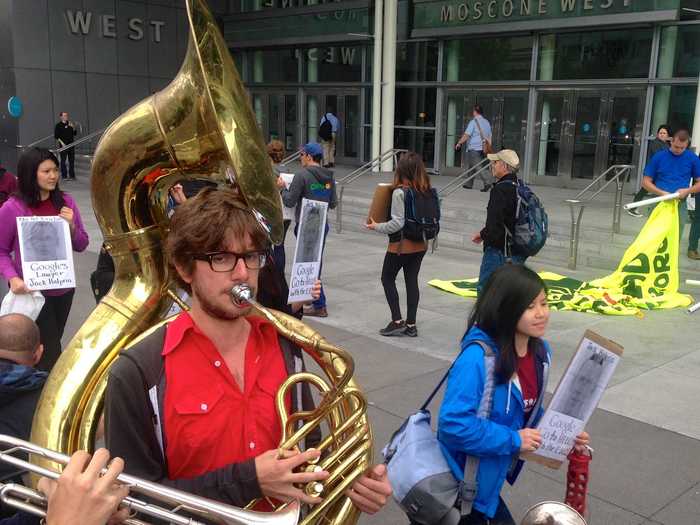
312	148
508	156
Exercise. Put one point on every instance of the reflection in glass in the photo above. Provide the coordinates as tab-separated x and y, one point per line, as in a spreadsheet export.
673	105
622	53
622	130
351	126
585	137
312	118
333	63
455	127
273	122
489	58
512	123
258	109
415	106
291	141
416	61
274	65
679	55
418	140
550	111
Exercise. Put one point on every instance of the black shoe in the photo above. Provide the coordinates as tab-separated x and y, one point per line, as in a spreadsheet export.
634	213
467	186
393	328
411	331
486	188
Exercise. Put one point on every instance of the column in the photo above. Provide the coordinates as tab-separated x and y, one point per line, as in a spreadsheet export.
451	75
695	132
389	77
377	82
662	94
546	72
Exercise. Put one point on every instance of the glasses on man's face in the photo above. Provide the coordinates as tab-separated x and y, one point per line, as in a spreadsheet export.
227	261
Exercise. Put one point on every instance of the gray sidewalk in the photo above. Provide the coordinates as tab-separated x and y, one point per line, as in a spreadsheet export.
646	467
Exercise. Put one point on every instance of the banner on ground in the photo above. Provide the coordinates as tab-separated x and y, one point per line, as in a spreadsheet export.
646	278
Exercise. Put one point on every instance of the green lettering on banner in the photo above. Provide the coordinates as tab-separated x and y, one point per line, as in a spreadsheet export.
446	13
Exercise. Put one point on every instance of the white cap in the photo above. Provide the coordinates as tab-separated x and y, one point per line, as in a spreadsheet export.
508	156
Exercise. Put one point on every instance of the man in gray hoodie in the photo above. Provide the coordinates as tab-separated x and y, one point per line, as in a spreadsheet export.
316	183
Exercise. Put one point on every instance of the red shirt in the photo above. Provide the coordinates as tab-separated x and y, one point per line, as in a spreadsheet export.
44	209
527	376
209	422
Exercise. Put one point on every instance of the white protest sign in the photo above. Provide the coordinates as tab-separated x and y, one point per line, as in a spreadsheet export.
307	257
576	396
46	252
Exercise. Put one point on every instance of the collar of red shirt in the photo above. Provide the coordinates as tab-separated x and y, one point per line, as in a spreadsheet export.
183	323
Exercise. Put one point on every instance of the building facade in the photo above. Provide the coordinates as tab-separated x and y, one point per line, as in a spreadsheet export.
91	58
573	86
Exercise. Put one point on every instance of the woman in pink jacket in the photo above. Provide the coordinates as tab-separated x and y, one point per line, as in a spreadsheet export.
39	195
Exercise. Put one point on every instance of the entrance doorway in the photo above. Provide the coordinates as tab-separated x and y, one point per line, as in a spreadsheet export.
346	106
278	117
581	133
505	110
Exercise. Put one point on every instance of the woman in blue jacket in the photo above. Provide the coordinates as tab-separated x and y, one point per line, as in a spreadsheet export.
510	317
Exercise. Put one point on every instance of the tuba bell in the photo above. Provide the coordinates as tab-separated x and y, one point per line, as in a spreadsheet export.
200	127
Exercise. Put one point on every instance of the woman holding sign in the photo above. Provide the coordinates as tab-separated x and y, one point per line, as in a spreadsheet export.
39	195
510	317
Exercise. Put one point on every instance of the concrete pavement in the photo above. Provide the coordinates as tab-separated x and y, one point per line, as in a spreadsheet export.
646	433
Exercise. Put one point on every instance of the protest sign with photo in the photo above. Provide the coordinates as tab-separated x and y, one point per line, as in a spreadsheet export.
307	257
46	252
576	397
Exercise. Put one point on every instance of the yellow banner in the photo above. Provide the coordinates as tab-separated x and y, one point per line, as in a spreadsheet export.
646	278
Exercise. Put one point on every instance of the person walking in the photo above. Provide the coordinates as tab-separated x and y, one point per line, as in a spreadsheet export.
674	170
510	317
275	150
328	133
65	133
316	183
661	142
476	136
500	216
40	195
402	253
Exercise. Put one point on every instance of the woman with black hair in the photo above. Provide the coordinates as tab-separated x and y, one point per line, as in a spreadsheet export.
510	317
38	194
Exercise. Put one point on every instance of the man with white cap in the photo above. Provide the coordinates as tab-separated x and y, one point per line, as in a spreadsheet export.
500	216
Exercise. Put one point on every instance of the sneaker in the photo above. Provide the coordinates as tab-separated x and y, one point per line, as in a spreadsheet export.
411	330
467	186
693	254
315	312
393	328
634	213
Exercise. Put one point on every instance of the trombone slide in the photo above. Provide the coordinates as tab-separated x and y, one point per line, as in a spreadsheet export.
648	202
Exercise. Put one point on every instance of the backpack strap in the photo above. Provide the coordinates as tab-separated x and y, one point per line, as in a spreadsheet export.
469	485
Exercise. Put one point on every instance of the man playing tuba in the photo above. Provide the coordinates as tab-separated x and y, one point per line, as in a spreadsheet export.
193	404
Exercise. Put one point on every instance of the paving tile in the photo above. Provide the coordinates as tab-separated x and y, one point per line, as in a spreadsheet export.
683	511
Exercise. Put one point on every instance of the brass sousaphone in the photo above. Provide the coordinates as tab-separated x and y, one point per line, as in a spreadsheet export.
201	126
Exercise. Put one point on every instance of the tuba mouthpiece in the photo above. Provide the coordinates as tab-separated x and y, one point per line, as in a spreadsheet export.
241	293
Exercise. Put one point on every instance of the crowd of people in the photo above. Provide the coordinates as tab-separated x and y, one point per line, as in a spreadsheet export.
192	405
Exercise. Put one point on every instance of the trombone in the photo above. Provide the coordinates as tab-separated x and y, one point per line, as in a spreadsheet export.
33	502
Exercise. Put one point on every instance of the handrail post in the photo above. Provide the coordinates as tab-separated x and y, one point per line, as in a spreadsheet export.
617	209
575	231
339	209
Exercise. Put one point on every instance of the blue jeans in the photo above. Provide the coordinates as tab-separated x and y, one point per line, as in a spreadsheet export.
321	301
493	259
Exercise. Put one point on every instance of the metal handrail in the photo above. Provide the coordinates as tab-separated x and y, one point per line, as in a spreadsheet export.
81	140
356	174
620	174
463	178
20	146
294	156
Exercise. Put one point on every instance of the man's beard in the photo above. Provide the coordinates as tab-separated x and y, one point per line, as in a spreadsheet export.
215	311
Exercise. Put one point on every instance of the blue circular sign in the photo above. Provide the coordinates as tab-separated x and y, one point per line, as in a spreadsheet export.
586	127
623	130
15	107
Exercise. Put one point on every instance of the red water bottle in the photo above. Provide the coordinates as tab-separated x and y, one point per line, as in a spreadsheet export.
577	480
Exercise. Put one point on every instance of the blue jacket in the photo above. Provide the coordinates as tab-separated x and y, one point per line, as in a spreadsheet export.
495	441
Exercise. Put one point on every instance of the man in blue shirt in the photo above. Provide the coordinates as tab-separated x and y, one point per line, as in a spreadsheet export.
478	130
676	169
328	137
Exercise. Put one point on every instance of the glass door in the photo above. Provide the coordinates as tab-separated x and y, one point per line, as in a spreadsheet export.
549	132
277	117
345	105
623	131
586	123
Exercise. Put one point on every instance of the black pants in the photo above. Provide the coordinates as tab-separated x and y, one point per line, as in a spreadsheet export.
51	321
68	156
410	262
278	253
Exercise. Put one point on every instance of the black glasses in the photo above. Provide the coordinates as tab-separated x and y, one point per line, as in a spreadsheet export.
227	261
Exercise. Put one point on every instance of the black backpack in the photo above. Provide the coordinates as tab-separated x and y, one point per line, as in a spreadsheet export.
422	215
325	131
